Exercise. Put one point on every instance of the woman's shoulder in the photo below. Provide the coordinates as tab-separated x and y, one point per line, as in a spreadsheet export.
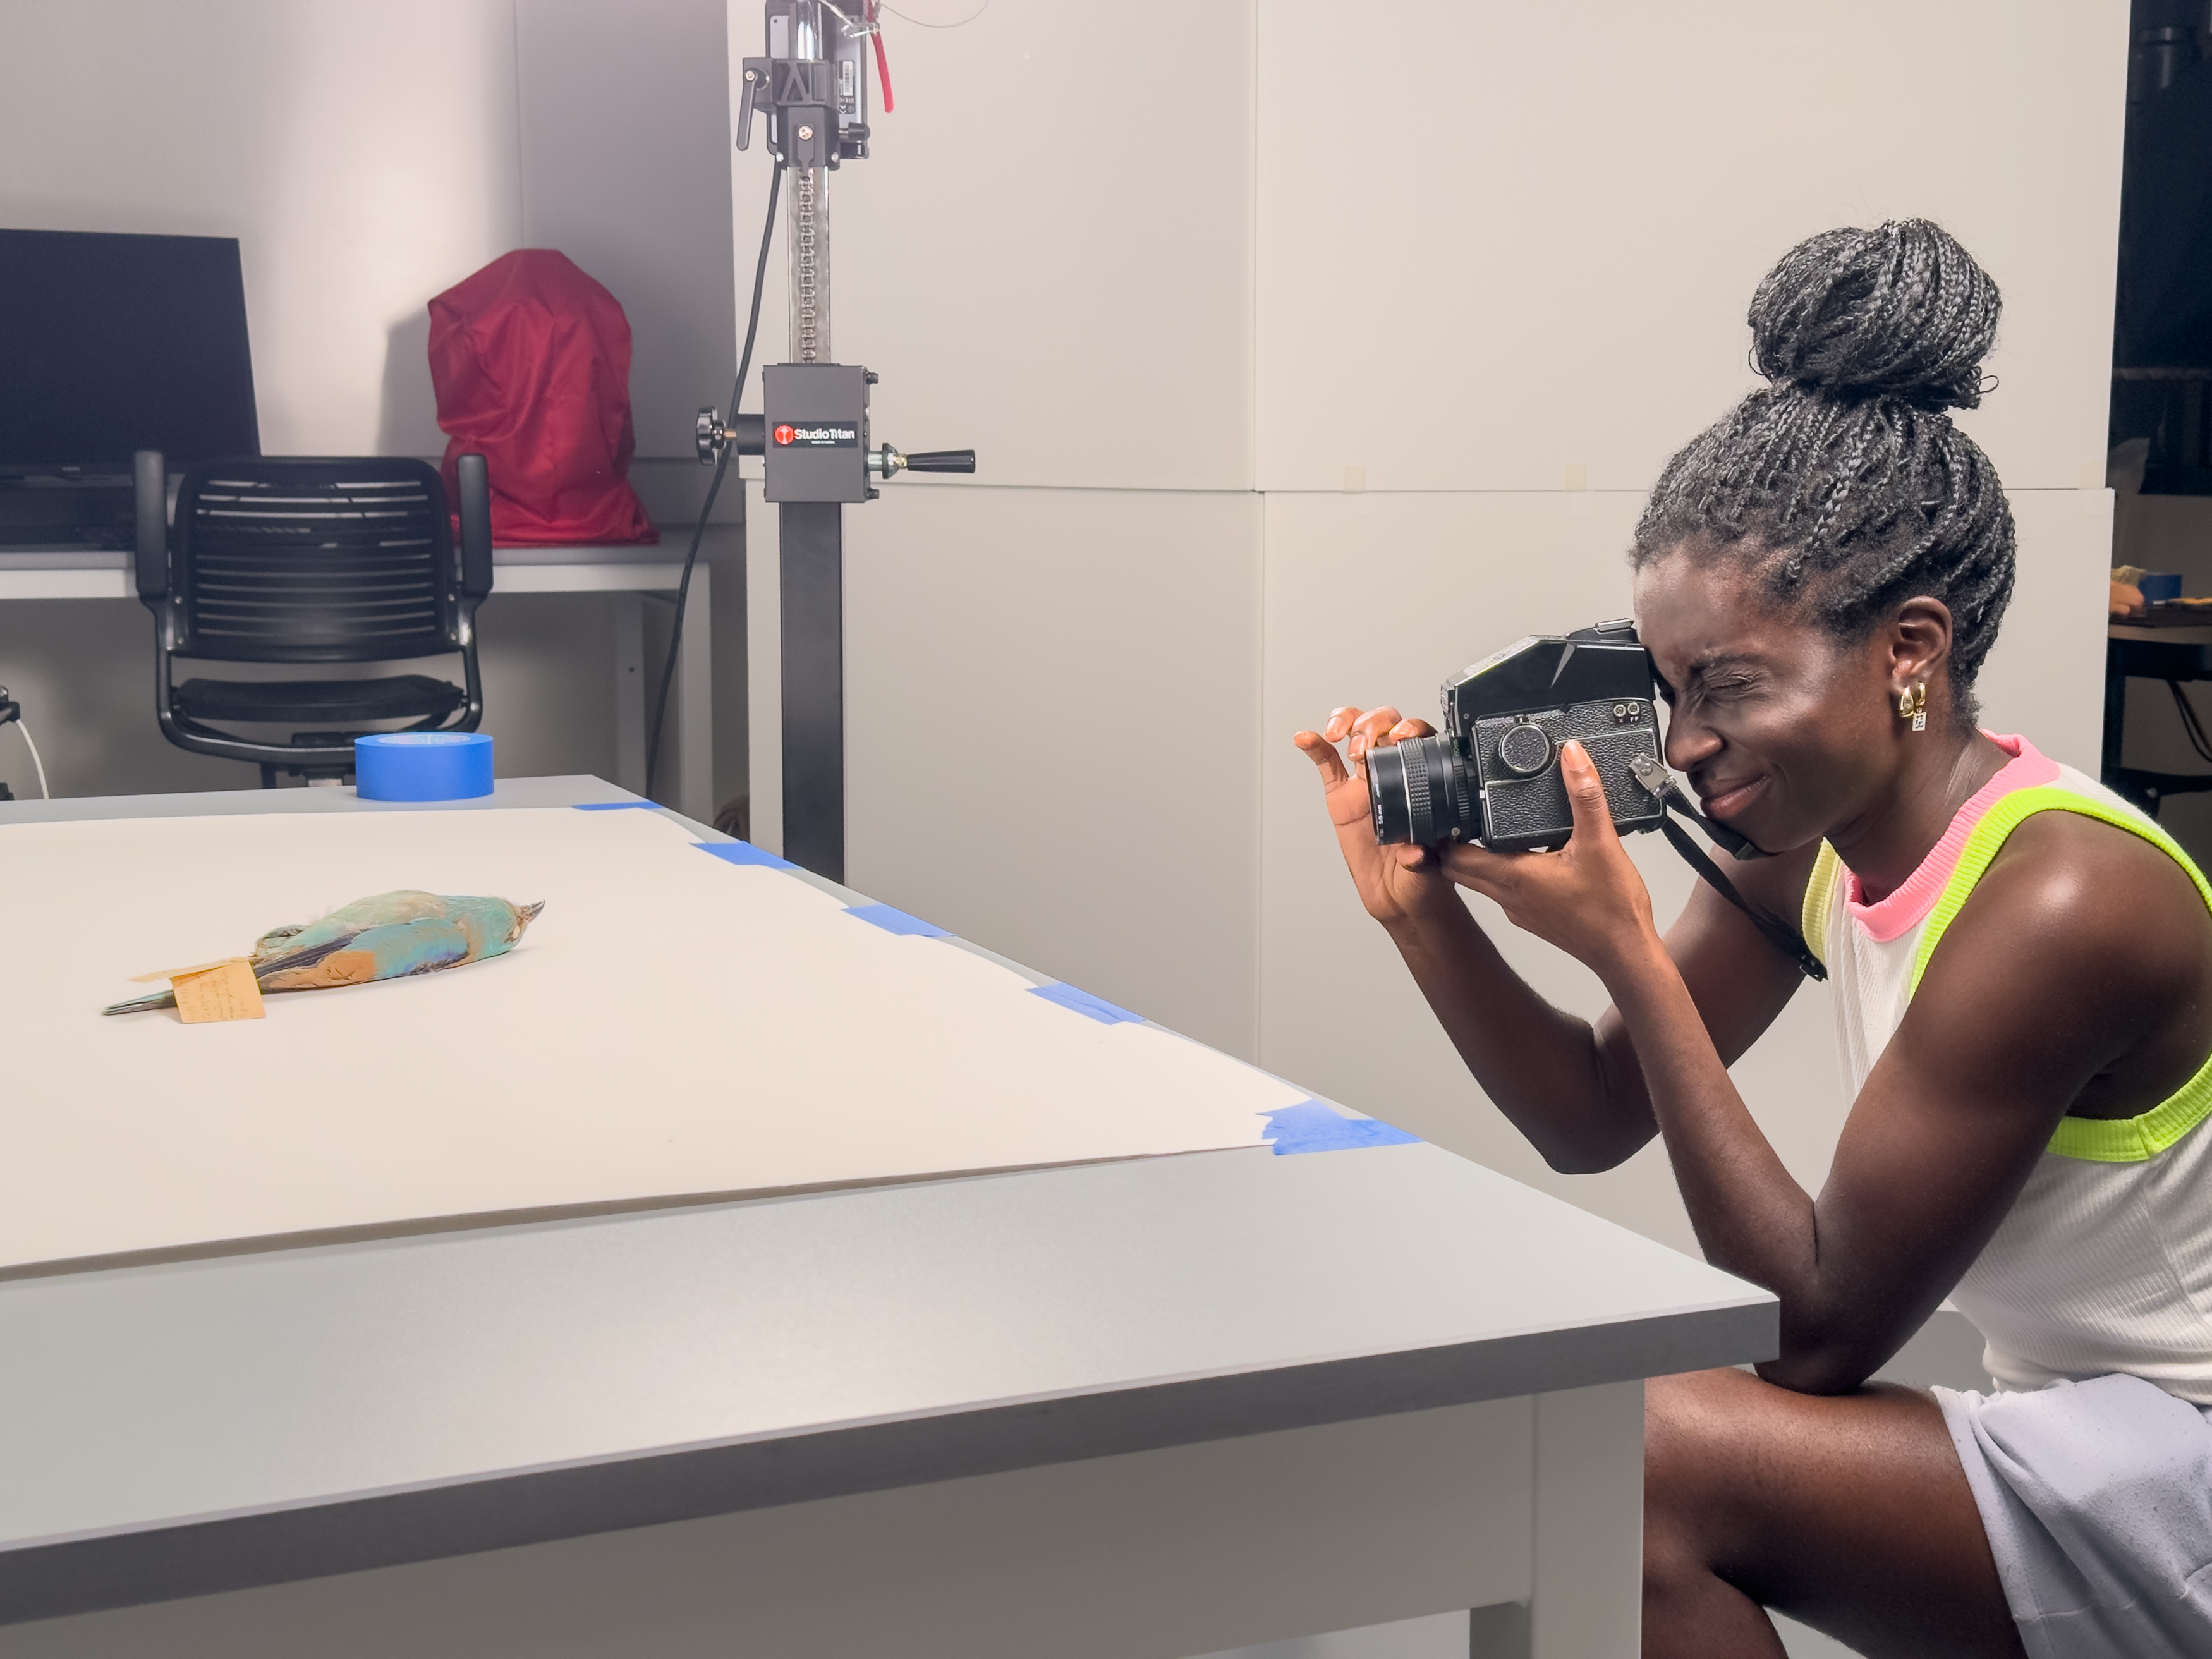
2109	904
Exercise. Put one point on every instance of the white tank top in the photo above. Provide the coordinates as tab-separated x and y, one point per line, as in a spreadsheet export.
2103	1263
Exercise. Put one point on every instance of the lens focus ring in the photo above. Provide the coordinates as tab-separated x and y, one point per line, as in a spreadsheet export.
1420	811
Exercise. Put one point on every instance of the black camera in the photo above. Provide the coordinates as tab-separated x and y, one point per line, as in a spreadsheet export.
1492	774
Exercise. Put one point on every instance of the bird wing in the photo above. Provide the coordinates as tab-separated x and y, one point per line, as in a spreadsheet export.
392	951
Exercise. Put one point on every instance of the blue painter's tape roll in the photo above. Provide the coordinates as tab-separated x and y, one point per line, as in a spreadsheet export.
422	765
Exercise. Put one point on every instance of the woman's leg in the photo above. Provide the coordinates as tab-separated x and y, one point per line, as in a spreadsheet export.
1848	1513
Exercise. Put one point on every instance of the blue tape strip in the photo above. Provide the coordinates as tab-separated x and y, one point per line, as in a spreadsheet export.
895	922
741	852
1083	1003
1313	1126
617	805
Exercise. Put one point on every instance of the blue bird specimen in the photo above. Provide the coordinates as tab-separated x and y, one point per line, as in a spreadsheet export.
389	936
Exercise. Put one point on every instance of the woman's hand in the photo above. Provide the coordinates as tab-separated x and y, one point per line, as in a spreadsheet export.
1588	898
1396	884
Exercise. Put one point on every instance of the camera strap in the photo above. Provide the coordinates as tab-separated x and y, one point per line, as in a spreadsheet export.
1784	938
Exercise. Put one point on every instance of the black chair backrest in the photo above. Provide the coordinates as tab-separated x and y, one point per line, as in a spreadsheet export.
299	559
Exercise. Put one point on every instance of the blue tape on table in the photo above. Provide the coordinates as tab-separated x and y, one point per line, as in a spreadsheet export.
1311	1126
1083	1003
742	852
895	922
617	806
422	766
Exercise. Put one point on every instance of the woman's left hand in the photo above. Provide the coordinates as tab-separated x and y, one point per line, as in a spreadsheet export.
1588	898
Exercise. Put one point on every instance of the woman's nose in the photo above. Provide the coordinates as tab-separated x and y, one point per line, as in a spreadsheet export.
1689	743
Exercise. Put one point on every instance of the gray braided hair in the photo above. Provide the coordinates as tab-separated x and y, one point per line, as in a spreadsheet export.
1842	483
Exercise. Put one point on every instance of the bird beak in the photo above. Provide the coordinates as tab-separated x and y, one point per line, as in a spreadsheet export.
523	915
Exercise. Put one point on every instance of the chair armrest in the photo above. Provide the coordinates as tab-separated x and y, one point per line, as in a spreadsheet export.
150	491
474	487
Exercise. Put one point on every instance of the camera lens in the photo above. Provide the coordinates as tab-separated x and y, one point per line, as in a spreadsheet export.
1418	791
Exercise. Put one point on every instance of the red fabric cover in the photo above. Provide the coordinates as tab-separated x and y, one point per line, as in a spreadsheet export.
531	361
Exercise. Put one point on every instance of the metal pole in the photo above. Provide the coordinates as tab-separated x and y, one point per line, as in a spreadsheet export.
811	561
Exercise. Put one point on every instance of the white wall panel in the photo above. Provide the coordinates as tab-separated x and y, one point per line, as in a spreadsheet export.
1052	730
2046	676
1047	257
1541	258
626	169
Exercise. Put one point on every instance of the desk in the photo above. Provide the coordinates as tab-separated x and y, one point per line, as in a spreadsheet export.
631	574
2178	652
1152	1406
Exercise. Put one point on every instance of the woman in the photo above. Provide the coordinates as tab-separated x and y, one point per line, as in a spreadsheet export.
1819	577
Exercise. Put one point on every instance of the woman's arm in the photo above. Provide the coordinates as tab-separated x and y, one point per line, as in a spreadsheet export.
1575	1091
2062	968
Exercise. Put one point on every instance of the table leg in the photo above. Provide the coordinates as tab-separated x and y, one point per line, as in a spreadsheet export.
691	745
630	692
2116	712
1589	1523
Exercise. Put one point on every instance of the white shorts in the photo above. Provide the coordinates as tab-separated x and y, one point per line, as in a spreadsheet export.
2097	1498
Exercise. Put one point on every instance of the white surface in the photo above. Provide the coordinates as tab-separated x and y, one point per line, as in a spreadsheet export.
71	583
673	1024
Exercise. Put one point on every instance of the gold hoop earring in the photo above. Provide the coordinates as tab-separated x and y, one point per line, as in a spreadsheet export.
1912	706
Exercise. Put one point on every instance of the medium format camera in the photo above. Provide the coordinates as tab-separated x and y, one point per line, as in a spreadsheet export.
1492	774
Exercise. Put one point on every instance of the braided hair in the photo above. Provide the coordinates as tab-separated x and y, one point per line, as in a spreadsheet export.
1843	483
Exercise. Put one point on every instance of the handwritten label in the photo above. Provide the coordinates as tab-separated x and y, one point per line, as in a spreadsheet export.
218	991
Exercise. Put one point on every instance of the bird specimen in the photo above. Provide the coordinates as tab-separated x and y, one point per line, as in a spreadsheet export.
388	936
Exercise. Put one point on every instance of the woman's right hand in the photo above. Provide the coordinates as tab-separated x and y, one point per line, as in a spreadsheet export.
1396	884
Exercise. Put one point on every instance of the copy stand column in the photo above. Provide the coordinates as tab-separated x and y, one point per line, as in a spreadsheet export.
811	557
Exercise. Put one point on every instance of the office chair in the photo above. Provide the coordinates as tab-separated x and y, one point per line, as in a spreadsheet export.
311	560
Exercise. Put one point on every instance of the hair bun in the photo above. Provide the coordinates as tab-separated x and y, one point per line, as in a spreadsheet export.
1900	312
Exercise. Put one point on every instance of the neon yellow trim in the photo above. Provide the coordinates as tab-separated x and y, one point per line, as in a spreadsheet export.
1820	903
2097	1141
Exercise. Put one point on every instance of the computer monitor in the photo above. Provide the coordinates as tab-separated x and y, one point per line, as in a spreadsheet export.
114	344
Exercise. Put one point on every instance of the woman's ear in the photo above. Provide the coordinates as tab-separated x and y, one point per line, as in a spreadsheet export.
1919	643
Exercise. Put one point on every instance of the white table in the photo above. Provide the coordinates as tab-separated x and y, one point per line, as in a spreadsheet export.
1134	1409
632	574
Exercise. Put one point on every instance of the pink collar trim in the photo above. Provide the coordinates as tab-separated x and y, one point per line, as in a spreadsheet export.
1905	908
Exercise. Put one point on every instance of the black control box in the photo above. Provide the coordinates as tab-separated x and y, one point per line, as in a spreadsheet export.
814	438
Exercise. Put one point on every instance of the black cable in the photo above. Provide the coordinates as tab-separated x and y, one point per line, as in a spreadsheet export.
2190	723
713	488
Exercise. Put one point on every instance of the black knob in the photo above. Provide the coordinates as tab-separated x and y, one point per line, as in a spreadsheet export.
1524	750
942	460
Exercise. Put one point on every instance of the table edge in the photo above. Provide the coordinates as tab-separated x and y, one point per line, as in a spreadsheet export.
201	1556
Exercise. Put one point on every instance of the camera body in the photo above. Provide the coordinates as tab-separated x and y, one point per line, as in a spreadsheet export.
1492	774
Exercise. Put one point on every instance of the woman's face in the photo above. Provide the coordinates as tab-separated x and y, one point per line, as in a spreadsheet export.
1785	731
